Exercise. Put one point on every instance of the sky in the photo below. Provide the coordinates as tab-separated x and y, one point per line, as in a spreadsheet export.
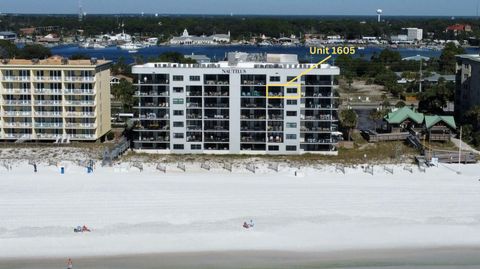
254	7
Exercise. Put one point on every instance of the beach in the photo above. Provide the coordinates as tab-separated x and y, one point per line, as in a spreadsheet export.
299	210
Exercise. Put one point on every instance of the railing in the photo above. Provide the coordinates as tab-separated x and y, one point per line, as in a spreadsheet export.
48	102
80	103
81	79
17	102
17	113
21	91
45	78
16	78
48	125
81	125
18	124
27	136
48	91
80	114
48	114
79	91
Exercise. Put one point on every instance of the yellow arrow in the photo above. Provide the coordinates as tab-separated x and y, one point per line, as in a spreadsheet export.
310	69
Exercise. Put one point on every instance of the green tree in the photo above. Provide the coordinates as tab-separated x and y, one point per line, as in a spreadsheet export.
349	121
174	57
377	115
473	117
8	49
79	56
447	58
124	92
35	51
434	99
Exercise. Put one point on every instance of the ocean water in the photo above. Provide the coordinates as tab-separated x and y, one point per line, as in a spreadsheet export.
441	258
219	52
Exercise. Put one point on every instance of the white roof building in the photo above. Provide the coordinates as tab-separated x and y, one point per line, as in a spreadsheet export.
187	39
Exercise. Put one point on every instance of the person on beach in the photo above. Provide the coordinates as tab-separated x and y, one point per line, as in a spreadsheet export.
34	167
69	264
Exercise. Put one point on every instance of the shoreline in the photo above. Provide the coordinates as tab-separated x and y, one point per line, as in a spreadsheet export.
440	257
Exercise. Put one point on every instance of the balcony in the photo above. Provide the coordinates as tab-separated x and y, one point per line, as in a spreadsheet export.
16	78
82	136
48	114
48	91
16	91
47	125
79	79
79	91
17	124
81	125
18	136
46	78
17	102
79	103
17	114
80	114
48	103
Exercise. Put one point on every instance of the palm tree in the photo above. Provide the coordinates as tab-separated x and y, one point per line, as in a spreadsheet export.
349	120
376	115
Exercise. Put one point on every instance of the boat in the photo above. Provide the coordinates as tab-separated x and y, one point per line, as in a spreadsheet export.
130	46
132	51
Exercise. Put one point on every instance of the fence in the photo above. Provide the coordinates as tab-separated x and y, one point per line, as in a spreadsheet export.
182	167
340	168
162	168
274	166
205	166
408	168
388	169
251	168
228	167
368	169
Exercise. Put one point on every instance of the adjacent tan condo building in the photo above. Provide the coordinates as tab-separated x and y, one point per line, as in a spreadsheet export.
54	99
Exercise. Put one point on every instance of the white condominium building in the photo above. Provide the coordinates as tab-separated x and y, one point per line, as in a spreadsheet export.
252	103
54	99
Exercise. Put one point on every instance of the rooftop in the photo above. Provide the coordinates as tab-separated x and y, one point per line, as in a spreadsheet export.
473	57
53	61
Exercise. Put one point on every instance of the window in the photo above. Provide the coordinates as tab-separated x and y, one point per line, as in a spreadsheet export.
291	125
196	147
291	78
178	113
178	89
178	146
291	136
291	102
178	101
177	78
291	148
178	135
292	90
194	78
291	113
275	79
178	124
273	148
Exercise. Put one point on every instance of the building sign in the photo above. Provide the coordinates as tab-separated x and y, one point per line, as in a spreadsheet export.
234	71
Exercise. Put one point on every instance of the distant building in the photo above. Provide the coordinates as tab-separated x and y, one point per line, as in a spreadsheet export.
458	28
414	34
201	59
10	36
187	39
467	91
409	35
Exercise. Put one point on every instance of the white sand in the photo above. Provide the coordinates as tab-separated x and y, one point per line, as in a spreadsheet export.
150	212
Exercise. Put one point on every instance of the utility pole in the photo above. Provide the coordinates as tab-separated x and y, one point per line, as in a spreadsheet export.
421	76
